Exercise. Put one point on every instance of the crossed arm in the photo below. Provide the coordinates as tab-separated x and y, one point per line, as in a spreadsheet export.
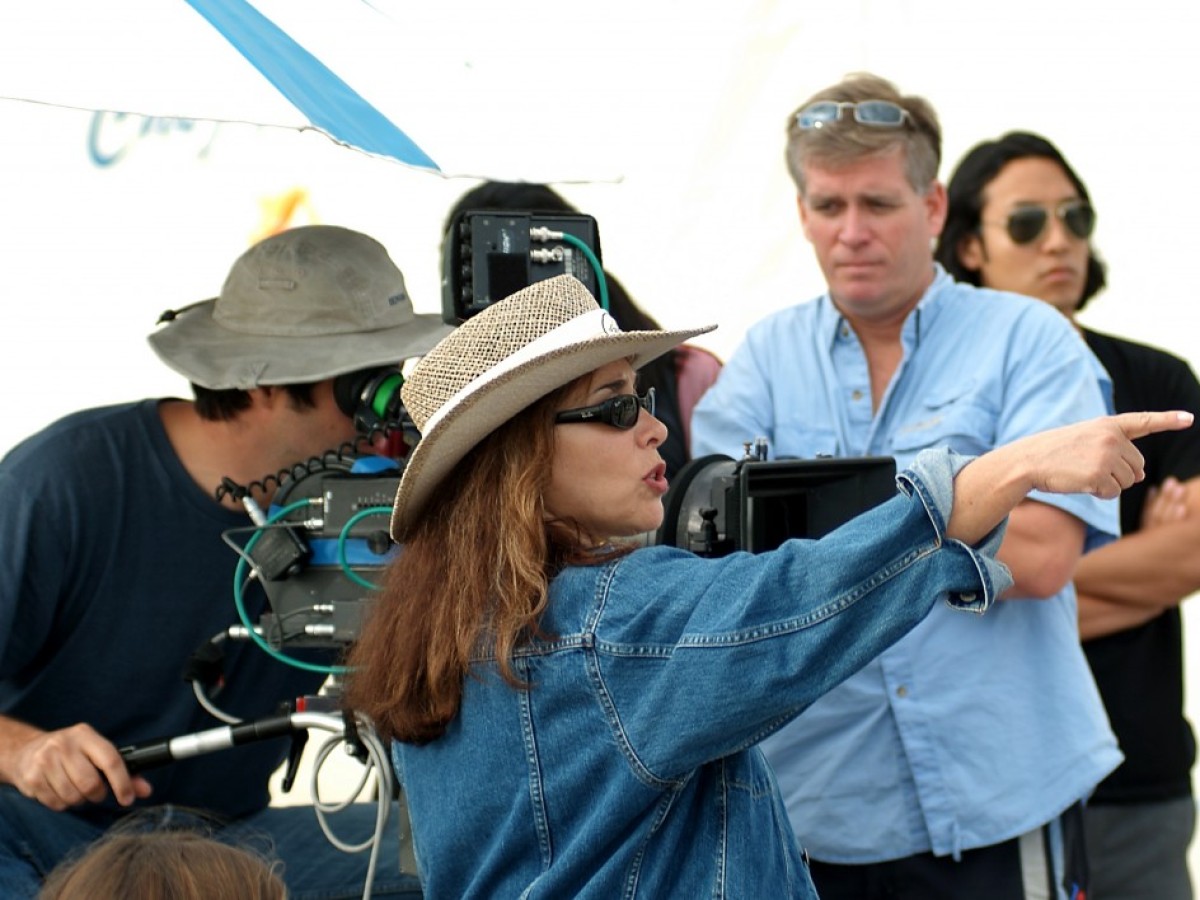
1136	578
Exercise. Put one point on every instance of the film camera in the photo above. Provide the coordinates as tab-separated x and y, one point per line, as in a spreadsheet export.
324	544
718	505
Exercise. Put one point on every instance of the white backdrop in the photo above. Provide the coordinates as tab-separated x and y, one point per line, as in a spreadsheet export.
697	216
680	110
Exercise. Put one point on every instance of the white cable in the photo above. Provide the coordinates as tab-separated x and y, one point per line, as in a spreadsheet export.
213	710
377	762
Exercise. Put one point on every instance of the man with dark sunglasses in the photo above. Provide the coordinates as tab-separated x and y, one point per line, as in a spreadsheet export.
1141	818
954	764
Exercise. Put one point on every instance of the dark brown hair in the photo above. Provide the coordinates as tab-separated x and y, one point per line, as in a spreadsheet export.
224	405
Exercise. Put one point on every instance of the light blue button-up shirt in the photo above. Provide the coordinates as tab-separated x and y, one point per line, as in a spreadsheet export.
968	731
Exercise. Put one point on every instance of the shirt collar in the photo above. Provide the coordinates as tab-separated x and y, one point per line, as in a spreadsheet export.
830	319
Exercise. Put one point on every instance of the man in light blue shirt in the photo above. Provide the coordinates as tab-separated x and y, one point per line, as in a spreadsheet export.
952	765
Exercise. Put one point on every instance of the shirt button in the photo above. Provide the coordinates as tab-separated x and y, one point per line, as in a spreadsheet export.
902	691
856	395
845	331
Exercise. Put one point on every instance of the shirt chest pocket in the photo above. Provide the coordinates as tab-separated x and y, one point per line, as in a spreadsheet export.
956	418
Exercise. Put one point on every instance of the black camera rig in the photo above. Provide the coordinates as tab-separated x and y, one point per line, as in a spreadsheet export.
718	505
321	553
490	254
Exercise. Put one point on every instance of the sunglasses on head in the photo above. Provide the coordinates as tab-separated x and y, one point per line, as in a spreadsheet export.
1026	223
877	113
621	411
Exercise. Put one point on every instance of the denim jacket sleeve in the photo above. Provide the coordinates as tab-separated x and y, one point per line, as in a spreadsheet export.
694	659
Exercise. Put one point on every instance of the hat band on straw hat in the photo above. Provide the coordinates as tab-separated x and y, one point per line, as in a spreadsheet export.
592	324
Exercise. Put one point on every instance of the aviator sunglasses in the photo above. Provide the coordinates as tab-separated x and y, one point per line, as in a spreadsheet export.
1026	223
621	411
878	113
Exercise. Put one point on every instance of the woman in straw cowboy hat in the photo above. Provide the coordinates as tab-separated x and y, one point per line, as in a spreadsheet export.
577	718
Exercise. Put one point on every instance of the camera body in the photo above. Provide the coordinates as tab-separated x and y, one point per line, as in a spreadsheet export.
718	505
334	554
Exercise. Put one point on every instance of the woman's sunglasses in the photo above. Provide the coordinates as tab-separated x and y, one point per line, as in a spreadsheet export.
1026	224
621	411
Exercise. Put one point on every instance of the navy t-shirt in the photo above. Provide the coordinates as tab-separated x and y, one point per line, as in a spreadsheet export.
112	574
1140	670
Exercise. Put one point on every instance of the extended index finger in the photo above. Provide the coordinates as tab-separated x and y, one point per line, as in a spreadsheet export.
1140	424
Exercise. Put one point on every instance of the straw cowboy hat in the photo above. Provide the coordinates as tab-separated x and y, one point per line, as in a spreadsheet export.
303	305
500	361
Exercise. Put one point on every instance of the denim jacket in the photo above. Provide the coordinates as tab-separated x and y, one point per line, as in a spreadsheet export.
628	768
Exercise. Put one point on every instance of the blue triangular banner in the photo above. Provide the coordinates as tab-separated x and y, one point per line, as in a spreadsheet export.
329	103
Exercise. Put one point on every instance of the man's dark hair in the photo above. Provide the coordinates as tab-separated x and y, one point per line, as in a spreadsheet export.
224	405
974	173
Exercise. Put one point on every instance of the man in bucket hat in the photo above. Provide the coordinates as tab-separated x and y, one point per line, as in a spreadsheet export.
113	570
